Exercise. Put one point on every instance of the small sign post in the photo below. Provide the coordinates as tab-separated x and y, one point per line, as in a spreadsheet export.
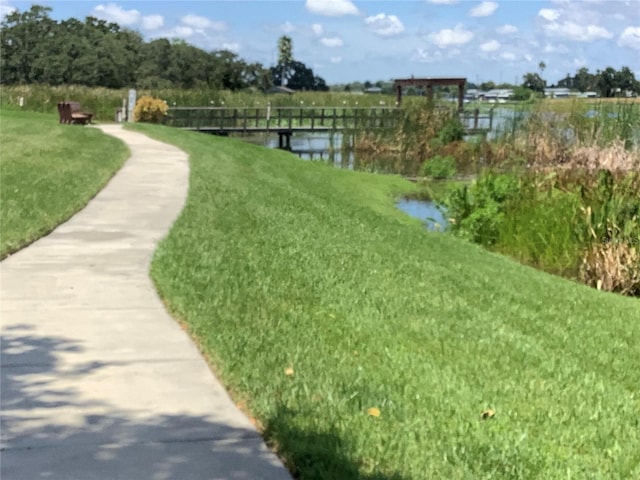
132	104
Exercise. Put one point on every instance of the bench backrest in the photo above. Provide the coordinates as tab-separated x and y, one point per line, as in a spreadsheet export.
75	106
64	110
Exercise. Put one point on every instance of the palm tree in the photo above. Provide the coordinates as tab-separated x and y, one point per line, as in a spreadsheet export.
542	66
285	55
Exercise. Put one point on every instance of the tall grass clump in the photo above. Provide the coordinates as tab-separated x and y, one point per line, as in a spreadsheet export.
420	131
579	224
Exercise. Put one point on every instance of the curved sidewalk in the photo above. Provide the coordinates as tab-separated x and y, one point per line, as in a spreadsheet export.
98	382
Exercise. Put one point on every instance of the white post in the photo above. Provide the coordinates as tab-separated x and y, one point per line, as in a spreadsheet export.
132	104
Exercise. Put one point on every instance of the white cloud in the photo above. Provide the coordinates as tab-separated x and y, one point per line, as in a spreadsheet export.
443	2
331	8
555	48
336	59
579	62
528	57
447	37
483	9
422	55
384	25
549	14
231	46
114	13
578	33
288	27
202	23
630	37
317	29
6	9
182	31
490	46
507	29
332	41
152	22
508	56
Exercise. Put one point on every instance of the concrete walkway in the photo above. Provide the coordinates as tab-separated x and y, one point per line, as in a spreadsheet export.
98	382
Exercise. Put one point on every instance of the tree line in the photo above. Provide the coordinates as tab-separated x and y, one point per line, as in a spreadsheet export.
34	48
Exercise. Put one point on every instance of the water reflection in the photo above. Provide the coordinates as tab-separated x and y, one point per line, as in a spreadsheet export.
427	211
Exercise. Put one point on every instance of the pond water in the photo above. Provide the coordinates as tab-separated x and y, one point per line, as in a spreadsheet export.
310	146
429	212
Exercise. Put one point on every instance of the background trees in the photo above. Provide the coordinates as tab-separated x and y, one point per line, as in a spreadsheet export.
292	73
606	83
37	49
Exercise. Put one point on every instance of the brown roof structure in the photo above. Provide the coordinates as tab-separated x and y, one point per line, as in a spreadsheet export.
429	83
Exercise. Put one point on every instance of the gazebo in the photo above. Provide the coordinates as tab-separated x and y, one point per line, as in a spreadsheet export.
429	83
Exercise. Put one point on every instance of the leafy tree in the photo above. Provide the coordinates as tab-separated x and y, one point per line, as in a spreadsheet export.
301	77
583	80
522	93
296	75
606	82
24	38
534	82
625	80
93	52
485	86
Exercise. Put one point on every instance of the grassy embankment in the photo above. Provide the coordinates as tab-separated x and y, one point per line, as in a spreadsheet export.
47	173
317	301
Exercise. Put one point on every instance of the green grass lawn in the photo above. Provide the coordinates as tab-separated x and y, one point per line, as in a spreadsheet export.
279	264
48	172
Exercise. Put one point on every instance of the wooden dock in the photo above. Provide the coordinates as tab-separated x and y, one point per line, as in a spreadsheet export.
288	120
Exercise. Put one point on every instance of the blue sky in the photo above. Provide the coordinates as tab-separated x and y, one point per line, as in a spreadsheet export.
345	40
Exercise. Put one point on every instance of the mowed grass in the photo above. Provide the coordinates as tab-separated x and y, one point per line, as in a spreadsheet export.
316	301
48	172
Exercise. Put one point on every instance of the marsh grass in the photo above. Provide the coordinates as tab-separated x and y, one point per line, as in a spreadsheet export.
318	301
575	223
48	172
103	102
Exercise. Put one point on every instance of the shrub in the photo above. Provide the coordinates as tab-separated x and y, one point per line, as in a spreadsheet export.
440	167
149	109
451	131
478	211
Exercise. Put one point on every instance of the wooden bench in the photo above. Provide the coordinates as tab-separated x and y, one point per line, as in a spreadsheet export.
71	113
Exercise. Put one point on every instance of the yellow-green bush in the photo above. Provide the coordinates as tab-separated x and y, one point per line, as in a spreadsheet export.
149	109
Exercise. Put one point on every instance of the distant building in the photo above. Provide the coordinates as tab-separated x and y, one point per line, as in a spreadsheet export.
589	95
497	95
373	90
559	92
